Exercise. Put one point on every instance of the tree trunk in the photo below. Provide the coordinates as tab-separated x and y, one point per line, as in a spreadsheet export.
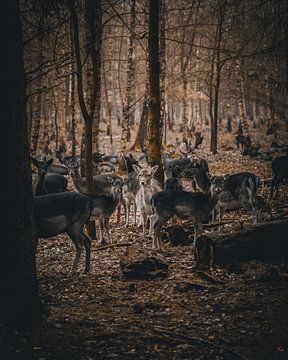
215	78
38	101
96	62
141	136
107	95
54	116
264	242
73	119
154	131
241	98
162	57
19	297
126	135
91	108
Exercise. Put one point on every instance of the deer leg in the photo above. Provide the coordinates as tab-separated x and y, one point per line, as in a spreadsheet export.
215	212
157	225
106	227
144	225
272	185
151	220
221	214
194	185
277	183
101	225
87	244
135	210
118	213
127	213
141	221
197	227
76	238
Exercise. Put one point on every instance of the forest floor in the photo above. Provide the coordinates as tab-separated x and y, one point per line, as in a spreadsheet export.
203	314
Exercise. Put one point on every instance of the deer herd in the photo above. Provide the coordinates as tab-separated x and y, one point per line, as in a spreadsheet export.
58	211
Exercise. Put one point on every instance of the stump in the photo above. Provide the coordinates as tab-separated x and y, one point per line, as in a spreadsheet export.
139	263
178	236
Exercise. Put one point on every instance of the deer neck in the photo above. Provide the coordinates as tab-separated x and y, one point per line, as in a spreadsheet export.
213	199
78	182
116	197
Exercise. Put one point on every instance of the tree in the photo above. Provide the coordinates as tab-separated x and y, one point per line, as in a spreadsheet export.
127	108
90	107
215	74
19	297
154	132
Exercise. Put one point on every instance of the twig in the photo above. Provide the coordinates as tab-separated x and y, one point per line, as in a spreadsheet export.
186	337
98	248
211	225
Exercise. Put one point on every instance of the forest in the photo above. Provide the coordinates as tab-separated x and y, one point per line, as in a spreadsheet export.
145	180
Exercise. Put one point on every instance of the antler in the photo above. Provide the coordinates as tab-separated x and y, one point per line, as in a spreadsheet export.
198	141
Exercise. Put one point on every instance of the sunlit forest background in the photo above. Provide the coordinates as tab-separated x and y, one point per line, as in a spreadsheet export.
221	63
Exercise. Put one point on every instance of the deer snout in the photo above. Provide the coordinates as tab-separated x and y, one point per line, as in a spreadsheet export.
218	189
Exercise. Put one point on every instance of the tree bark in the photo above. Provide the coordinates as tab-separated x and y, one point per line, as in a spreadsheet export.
19	297
154	131
266	242
141	136
38	100
241	98
126	135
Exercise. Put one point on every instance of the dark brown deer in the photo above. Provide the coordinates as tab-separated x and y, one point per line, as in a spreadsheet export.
238	190
47	183
280	172
183	205
65	212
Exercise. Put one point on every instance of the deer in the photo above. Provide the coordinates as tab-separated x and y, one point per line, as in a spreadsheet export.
148	186
130	187
237	190
101	186
198	170
101	183
47	183
105	205
280	172
68	212
173	181
243	141
198	141
64	159
65	212
184	205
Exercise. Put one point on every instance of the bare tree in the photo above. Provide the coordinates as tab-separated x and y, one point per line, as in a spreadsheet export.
154	144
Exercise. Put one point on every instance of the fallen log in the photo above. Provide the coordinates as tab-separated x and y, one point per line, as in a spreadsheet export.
266	242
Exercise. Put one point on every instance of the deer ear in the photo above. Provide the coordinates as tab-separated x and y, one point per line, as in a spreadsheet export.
49	162
154	169
136	168
209	176
109	179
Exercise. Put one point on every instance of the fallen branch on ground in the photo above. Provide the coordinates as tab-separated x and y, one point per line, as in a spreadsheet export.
103	247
